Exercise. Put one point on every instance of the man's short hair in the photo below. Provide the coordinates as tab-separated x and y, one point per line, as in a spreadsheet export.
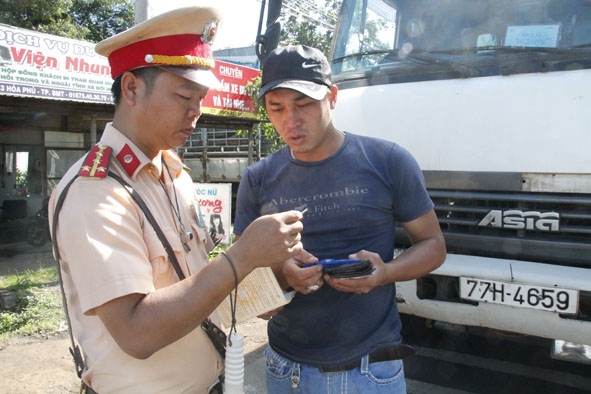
147	74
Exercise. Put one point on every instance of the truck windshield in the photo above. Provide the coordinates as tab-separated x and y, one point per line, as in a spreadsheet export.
461	38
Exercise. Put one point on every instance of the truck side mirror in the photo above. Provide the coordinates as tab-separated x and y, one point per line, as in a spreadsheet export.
273	11
267	42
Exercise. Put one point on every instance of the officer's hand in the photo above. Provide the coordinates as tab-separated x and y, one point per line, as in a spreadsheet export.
271	239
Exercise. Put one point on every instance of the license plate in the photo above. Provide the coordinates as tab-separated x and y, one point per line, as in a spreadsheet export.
549	299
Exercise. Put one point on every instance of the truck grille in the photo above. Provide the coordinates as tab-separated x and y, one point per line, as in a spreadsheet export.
543	227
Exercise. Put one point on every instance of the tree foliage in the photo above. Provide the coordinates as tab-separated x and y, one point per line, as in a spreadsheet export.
87	20
103	18
309	23
305	33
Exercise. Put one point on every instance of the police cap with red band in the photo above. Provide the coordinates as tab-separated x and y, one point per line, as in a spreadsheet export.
178	41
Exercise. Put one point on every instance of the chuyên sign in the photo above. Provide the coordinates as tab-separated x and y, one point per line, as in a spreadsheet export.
34	64
231	98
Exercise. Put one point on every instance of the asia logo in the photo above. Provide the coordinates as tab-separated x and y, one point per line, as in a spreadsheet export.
519	220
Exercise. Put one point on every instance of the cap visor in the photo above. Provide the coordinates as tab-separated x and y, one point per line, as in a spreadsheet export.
198	75
310	89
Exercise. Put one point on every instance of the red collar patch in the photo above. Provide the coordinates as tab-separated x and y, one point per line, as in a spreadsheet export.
96	163
128	160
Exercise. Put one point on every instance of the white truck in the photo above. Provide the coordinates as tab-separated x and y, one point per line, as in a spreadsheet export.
493	98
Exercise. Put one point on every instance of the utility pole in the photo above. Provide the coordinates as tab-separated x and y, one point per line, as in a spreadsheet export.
141	10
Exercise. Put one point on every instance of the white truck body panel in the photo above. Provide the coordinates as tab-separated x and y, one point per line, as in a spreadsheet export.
480	124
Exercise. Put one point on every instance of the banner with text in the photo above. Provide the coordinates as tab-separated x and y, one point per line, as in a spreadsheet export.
231	98
34	64
215	204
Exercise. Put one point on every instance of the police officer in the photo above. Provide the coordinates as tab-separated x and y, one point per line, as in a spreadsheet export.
137	323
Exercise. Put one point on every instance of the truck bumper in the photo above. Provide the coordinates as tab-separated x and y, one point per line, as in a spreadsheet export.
501	317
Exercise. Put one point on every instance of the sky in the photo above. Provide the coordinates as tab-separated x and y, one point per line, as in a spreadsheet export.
241	19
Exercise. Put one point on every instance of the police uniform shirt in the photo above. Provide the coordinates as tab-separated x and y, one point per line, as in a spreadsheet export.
110	250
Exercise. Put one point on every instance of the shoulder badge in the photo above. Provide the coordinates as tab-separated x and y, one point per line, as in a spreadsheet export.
96	163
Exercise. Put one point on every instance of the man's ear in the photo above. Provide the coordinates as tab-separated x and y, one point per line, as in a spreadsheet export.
130	88
332	96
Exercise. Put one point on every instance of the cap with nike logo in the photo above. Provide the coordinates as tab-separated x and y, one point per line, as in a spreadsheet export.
297	67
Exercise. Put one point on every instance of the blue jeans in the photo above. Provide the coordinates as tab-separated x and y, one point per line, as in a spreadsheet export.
287	377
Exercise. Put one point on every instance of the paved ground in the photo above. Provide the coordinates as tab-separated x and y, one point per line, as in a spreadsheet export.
44	365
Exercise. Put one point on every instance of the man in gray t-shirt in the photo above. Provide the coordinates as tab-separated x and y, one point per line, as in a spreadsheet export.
355	190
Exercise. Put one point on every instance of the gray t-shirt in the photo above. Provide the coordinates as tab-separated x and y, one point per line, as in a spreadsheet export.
354	199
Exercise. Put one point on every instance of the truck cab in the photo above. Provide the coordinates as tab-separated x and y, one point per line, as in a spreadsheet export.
492	98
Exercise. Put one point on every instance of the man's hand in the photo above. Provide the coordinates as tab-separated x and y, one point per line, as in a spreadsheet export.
270	314
305	280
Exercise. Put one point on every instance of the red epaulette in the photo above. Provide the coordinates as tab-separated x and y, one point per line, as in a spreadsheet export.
96	163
